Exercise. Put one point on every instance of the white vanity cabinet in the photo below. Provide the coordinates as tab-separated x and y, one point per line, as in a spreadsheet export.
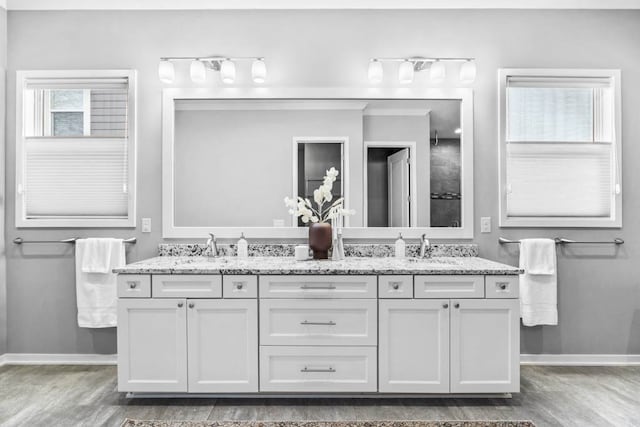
451	345
152	345
253	334
187	344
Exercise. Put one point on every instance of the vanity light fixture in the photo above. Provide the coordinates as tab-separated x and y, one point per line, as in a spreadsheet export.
259	71
409	66
166	71
228	71
198	71
468	72
375	72
437	72
223	64
405	72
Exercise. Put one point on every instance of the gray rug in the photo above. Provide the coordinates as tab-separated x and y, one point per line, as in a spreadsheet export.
159	423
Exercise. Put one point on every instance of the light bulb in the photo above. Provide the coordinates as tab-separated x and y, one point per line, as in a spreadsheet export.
468	72
166	71
228	71
258	71
375	72
438	72
198	71
405	72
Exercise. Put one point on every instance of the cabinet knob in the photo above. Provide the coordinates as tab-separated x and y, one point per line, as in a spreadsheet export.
180	304
395	285
239	286
445	305
191	305
132	285
456	305
502	285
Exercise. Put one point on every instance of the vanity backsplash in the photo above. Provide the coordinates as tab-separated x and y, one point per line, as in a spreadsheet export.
351	250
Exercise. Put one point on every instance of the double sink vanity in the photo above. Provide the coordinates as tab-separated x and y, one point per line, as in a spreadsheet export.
275	326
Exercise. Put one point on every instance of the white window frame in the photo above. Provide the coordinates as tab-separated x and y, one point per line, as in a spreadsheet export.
21	220
615	219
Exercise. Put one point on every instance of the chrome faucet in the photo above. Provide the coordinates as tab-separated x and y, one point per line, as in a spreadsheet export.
424	244
212	245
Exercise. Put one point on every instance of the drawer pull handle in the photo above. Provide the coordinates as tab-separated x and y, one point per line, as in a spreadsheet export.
132	285
329	323
329	369
502	285
307	287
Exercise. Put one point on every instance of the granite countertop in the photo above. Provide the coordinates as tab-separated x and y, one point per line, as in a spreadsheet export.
288	265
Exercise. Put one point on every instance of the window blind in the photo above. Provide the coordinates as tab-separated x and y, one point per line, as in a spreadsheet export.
81	176
559	180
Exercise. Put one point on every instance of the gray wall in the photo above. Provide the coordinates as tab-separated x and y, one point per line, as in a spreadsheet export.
3	271
599	292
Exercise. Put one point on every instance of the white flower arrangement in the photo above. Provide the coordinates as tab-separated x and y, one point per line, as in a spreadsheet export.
304	209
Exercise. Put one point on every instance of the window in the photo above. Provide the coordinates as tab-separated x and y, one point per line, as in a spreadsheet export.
75	152
560	148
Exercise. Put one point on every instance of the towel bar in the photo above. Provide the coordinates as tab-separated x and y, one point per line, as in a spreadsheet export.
563	241
20	240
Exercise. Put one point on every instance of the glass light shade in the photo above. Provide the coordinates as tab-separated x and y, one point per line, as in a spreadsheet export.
166	72
438	72
198	71
258	71
468	72
228	71
405	72
375	72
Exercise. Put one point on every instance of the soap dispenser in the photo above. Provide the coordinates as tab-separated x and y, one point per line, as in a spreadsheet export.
243	247
400	247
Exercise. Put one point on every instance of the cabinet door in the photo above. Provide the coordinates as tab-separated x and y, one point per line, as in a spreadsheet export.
414	346
223	345
152	345
485	346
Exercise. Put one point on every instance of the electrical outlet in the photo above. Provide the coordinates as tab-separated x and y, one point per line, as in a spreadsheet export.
146	225
485	224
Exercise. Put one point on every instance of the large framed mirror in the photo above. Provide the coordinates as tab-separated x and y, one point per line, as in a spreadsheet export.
231	156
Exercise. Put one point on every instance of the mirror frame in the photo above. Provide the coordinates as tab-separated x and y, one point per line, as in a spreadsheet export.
171	95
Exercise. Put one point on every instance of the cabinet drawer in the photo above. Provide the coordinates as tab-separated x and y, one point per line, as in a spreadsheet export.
502	286
445	286
318	286
318	369
241	286
134	286
318	322
395	286
186	286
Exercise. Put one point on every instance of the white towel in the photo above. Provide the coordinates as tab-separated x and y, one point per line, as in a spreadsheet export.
538	284
96	256
96	293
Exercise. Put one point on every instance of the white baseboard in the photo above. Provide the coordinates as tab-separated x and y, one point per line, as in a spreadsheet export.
57	359
525	359
580	359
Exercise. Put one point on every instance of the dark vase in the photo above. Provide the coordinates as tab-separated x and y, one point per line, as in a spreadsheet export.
320	240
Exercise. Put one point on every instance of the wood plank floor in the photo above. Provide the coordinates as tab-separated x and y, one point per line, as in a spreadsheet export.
64	396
